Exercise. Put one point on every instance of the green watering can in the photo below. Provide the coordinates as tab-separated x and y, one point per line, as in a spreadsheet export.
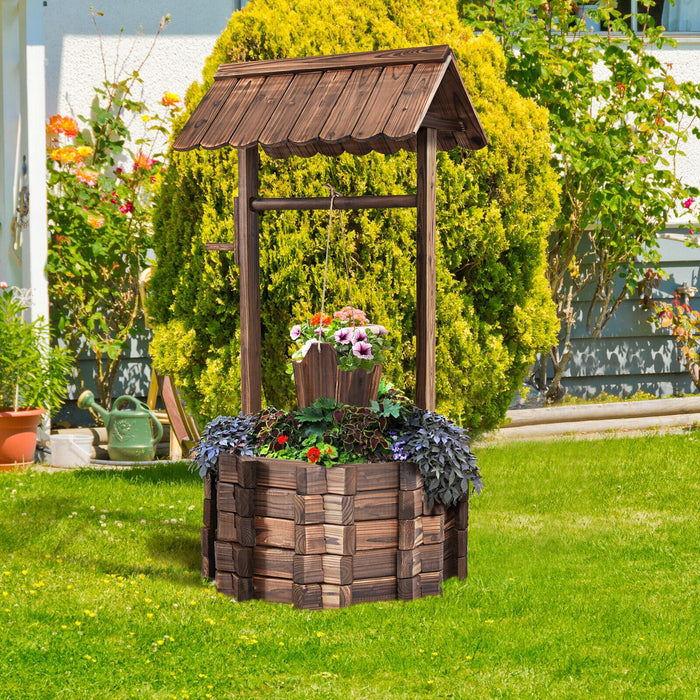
132	435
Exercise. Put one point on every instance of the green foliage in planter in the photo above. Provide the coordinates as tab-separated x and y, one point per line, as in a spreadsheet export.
494	209
443	455
329	433
32	375
225	433
354	433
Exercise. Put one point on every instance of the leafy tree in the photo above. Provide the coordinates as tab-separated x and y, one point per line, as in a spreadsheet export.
495	208
617	121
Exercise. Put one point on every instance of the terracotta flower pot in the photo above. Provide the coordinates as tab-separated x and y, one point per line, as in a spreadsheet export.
18	437
318	376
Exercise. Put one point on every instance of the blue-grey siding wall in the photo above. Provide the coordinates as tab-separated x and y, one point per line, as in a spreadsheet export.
630	356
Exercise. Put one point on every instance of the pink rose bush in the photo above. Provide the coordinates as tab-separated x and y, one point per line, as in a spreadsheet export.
357	342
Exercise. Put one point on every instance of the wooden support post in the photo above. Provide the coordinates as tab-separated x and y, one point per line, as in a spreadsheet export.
249	257
426	278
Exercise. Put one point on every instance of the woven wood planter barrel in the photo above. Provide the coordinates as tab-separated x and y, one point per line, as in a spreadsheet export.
318	376
297	533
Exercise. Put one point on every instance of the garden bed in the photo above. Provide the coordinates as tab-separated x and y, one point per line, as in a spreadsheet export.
298	533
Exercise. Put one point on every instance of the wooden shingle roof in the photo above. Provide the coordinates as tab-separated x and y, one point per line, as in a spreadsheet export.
361	102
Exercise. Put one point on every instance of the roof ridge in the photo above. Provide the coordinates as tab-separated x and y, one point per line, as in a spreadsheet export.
362	59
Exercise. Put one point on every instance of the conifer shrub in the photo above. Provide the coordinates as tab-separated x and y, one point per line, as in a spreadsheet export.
494	209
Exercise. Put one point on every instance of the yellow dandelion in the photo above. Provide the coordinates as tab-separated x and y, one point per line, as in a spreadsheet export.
320	634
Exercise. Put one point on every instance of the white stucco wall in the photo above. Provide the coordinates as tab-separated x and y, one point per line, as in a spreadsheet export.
685	66
74	63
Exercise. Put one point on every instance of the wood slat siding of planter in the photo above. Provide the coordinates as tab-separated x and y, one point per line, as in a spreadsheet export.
296	533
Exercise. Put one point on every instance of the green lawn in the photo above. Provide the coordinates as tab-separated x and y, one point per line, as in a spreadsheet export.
584	583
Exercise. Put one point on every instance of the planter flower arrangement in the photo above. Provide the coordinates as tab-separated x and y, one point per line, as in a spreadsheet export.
329	433
357	343
338	356
32	377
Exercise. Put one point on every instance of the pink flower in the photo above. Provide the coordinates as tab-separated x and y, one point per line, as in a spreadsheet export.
349	313
343	336
126	207
3	285
359	335
143	161
689	202
86	176
295	332
363	351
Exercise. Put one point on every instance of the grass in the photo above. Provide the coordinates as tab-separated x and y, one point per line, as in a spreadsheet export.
584	580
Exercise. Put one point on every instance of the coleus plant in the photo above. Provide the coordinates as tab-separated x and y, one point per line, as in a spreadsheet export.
329	433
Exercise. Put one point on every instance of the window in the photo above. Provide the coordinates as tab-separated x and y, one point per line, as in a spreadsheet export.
682	16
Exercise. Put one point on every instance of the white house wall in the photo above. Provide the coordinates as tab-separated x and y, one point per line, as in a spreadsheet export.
74	50
23	230
685	66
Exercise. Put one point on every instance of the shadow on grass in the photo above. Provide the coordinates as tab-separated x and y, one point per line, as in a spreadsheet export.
172	472
185	551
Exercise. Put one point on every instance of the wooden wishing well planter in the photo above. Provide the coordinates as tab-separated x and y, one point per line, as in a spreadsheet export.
291	531
317	537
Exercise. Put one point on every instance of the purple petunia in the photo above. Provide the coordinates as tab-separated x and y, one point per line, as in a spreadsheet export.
295	332
359	335
343	336
362	350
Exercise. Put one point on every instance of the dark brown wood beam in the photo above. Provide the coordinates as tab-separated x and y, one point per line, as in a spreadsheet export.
434	121
426	276
220	246
249	265
306	203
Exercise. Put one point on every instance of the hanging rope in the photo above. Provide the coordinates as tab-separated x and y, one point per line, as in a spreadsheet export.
334	194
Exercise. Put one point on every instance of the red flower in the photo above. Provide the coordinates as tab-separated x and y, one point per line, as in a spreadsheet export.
316	319
313	455
282	439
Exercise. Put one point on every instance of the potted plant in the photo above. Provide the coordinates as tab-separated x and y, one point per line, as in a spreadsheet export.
32	379
338	357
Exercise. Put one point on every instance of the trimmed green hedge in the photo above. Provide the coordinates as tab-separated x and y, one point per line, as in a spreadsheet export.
495	207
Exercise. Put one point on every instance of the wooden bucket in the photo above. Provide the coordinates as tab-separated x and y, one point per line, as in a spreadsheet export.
318	376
